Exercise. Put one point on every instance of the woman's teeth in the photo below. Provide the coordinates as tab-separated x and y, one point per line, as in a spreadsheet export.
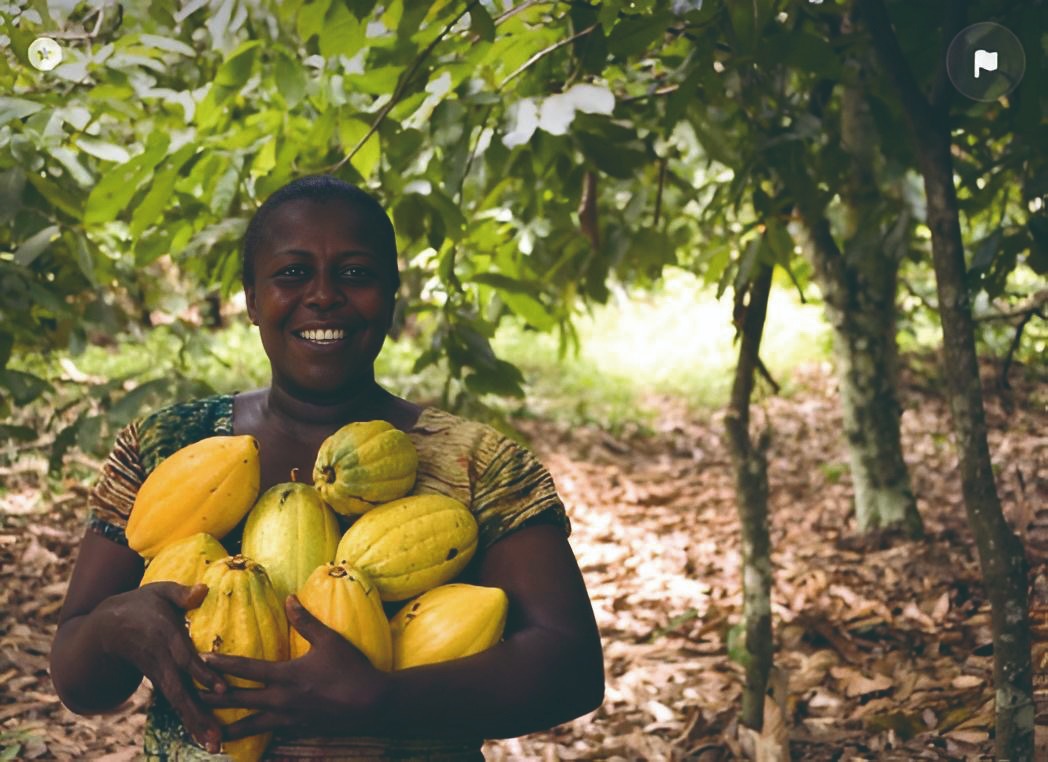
325	335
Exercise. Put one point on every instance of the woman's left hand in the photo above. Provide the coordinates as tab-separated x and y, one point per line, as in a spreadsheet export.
333	689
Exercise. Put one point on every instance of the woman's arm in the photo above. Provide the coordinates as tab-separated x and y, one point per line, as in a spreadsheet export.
111	633
547	670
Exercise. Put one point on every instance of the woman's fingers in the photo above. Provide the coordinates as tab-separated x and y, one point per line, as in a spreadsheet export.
308	626
201	724
260	670
184	596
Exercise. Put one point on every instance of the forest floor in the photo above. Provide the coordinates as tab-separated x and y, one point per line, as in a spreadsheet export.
882	649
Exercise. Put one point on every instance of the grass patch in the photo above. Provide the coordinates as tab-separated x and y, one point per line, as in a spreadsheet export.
676	341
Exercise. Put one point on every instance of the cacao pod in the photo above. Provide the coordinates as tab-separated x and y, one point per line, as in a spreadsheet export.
410	545
364	464
348	602
207	486
184	561
241	616
448	622
290	531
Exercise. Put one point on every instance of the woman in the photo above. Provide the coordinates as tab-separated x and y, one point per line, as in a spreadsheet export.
320	280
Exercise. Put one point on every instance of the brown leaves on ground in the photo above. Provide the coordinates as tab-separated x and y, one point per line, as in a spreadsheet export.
883	649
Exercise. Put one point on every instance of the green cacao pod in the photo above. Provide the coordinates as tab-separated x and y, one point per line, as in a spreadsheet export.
184	561
448	622
411	545
240	616
290	531
348	602
207	486
364	464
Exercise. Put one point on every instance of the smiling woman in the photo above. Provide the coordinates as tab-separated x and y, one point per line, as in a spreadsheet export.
320	281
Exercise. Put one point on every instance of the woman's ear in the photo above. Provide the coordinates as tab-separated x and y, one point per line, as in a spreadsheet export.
249	300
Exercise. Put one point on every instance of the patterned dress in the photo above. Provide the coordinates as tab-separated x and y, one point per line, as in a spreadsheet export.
502	483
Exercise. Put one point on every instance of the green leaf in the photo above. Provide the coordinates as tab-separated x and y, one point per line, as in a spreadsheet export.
365	160
17	108
102	149
237	67
12	183
114	192
23	434
633	34
291	79
985	251
617	159
63	442
135	401
1038	257
502	378
23	387
531	309
342	34
169	44
481	23
311	19
35	245
160	190
71	162
800	50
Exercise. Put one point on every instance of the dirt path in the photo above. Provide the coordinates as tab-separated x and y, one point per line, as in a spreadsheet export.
882	653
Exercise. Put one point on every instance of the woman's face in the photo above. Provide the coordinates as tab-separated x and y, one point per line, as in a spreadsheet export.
322	297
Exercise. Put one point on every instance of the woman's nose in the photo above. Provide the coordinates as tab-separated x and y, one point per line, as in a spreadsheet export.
324	292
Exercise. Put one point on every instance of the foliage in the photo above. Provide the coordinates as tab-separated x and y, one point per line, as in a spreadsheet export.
531	156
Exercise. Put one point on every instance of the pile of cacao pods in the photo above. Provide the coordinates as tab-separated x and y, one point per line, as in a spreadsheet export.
399	548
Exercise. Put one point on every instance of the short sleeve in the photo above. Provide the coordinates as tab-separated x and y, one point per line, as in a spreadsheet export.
512	487
111	499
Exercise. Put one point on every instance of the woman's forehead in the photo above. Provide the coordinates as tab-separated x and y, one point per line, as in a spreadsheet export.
302	221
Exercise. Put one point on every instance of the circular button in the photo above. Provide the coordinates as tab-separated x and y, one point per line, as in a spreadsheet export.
44	53
985	61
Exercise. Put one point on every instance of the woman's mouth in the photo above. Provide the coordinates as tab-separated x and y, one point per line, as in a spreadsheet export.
322	336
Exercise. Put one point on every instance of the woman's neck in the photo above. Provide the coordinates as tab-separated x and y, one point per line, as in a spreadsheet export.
298	415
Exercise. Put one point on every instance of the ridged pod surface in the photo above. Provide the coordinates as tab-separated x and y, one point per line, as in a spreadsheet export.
348	602
364	464
290	531
184	561
410	545
448	622
240	616
207	486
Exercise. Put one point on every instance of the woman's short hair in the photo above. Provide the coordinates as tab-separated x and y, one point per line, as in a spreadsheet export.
320	188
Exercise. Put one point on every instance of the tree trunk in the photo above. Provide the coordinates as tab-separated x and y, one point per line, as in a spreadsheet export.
751	498
859	287
861	308
1001	556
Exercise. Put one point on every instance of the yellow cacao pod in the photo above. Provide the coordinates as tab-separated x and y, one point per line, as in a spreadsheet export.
240	616
347	601
185	560
410	545
448	622
364	464
290	531
207	486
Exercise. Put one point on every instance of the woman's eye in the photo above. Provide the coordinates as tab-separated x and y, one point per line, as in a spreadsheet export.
357	272
292	271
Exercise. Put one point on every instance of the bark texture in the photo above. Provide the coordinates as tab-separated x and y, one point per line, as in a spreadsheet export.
750	464
1001	554
859	287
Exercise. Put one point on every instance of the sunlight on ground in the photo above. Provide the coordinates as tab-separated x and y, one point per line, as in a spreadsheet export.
676	341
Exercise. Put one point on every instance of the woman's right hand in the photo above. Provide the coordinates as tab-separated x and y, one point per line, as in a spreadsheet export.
146	628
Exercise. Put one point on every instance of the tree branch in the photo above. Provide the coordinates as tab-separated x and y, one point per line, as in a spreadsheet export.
402	85
543	53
